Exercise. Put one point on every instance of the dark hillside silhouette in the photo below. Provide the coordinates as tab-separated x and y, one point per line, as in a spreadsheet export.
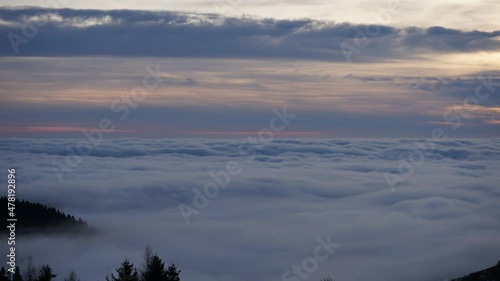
36	218
489	274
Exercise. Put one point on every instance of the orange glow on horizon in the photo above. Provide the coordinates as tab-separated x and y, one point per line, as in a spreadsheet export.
56	129
251	133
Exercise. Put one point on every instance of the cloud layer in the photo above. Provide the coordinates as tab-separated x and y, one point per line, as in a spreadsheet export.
443	218
62	96
459	14
174	34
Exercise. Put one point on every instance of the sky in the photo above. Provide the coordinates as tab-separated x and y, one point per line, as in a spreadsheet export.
219	69
373	125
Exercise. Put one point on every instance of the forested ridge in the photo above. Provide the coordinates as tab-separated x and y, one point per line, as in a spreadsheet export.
36	218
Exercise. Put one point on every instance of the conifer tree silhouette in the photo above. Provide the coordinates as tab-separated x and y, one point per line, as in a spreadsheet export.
46	273
172	273
17	275
155	270
126	272
4	276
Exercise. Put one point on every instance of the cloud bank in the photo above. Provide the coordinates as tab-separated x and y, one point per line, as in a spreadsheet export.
442	219
175	34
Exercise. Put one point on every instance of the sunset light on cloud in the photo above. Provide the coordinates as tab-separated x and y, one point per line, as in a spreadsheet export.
411	90
238	66
250	140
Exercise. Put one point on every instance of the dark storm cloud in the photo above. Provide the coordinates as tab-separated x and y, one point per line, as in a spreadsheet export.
171	34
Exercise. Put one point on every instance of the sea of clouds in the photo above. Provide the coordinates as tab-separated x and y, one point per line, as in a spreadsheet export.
441	221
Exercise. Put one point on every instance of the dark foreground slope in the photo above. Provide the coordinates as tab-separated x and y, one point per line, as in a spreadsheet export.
36	218
489	274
